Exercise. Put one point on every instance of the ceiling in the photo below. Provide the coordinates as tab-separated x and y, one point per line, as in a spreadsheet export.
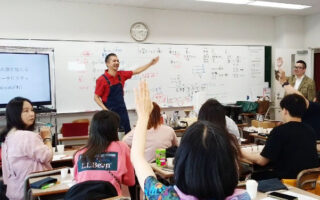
192	5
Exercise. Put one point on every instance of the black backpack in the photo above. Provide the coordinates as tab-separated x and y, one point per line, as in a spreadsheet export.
91	190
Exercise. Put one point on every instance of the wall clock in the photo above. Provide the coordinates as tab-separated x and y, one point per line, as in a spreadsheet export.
139	31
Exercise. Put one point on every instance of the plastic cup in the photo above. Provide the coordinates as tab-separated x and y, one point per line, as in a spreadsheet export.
53	149
252	188
64	173
170	162
120	135
72	172
60	148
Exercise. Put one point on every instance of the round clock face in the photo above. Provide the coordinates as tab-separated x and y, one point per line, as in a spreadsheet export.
139	31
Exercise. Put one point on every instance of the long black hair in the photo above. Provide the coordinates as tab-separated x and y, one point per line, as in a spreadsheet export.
206	162
103	130
213	111
13	117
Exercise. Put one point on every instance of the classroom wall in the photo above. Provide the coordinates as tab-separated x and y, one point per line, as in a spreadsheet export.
67	20
35	19
312	30
289	32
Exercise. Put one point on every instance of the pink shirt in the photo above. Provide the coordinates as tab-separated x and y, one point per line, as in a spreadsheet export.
23	152
114	165
161	138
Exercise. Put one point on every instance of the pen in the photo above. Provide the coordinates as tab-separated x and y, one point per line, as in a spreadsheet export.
47	186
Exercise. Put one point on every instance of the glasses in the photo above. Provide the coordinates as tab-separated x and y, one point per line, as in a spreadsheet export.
296	67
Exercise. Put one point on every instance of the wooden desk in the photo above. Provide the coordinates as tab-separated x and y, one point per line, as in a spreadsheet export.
73	140
180	132
257	138
162	172
261	195
58	188
65	159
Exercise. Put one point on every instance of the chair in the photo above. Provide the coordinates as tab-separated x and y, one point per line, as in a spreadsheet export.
27	189
307	179
91	190
81	121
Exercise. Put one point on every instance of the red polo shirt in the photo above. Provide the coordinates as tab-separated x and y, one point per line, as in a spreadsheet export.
102	86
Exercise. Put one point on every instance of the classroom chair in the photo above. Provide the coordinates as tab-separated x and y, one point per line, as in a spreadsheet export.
81	121
307	179
27	189
78	127
91	190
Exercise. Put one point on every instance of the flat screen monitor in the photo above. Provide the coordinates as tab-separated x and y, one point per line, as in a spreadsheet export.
26	75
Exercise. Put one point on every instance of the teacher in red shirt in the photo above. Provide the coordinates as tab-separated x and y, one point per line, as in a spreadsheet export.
109	88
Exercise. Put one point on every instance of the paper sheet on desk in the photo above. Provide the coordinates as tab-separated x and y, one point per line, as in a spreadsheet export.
61	157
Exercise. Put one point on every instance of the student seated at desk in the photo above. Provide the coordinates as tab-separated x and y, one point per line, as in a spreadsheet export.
23	151
159	136
200	170
312	116
213	111
104	158
290	147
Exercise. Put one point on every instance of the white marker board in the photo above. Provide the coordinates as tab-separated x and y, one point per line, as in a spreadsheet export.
227	73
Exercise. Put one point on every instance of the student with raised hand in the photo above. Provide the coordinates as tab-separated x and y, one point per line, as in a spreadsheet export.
200	170
23	150
104	158
159	136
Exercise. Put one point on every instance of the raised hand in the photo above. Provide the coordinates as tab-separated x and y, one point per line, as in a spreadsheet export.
45	132
143	102
282	77
154	60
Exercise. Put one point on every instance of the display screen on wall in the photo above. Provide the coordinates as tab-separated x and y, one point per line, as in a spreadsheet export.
26	75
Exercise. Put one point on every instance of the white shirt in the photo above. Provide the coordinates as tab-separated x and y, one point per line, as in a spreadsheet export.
298	82
232	127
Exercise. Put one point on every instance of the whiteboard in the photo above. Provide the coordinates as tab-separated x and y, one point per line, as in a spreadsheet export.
227	73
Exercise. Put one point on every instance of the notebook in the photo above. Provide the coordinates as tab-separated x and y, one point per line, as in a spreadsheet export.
271	185
74	129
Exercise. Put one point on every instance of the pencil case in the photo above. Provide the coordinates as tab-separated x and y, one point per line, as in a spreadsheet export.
43	182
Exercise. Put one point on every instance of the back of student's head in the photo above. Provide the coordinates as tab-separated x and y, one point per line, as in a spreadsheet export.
213	111
155	117
103	130
206	162
294	104
13	116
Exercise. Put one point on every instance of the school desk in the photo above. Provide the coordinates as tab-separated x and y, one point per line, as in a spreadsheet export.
163	172
60	187
70	141
293	191
258	138
64	159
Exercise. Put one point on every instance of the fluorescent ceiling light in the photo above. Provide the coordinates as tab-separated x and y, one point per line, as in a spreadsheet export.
229	1
278	5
